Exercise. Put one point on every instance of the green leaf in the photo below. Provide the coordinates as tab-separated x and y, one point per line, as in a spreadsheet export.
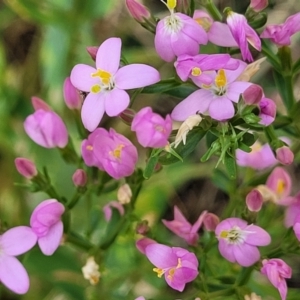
248	139
221	180
150	167
230	164
244	147
160	87
181	91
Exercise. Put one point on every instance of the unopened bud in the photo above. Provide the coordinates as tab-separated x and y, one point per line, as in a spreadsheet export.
254	200
26	167
91	271
210	222
258	5
71	95
142	227
267	111
127	116
124	194
92	51
285	155
38	103
137	10
253	94
79	177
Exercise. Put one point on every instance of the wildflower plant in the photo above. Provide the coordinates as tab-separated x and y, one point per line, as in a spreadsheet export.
116	213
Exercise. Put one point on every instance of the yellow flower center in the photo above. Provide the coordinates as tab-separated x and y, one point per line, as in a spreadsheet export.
205	23
280	186
160	272
221	79
196	71
256	147
95	88
103	75
117	152
89	147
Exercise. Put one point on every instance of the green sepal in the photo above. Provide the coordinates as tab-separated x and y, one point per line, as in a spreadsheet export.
222	181
150	167
259	21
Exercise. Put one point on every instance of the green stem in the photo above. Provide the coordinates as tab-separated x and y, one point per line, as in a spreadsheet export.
265	49
213	10
77	240
226	292
244	276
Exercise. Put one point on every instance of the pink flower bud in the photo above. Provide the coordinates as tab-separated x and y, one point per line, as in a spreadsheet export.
79	177
253	94
26	167
47	129
267	111
124	194
71	95
254	200
210	222
127	116
38	103
142	227
258	5
137	10
92	51
285	155
107	209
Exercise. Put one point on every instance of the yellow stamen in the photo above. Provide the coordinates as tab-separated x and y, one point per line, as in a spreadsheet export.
256	147
160	272
95	88
196	71
171	273
206	86
280	186
224	234
103	75
117	152
171	4
221	79
89	147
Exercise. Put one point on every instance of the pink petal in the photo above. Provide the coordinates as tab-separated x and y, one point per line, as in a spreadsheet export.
220	34
232	75
199	222
50	214
143	243
92	111
161	256
235	89
221	108
178	215
196	102
51	241
246	255
136	76
81	77
226	250
108	55
18	240
259	237
13	275
175	282
115	101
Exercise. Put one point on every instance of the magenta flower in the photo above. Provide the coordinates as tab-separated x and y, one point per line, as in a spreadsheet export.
46	223
178	265
243	34
277	271
71	95
178	34
26	167
267	109
181	227
296	227
151	129
215	99
107	209
116	154
281	34
45	127
107	83
238	241
261	157
143	243
14	242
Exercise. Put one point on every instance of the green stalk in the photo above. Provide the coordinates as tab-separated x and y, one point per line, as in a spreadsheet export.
213	10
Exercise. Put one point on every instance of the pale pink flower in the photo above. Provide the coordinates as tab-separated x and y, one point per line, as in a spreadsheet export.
178	34
152	130
277	271
106	84
107	209
26	167
281	34
285	155
258	5
137	10
46	223
181	227
243	33
72	97
14	242
178	265
238	241
215	99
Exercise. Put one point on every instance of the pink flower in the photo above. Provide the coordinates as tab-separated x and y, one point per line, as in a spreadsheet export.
143	243
267	111
46	224
107	83
137	10
178	34
45	127
296	227
210	222
178	265
292	212
261	157
243	34
14	242
115	153
181	227
71	95
281	34
215	99
285	155
26	167
79	178
277	271
238	241
151	129
254	200
107	209
258	5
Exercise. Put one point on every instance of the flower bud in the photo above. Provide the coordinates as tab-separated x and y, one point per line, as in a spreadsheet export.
267	111
254	200
142	227
285	155
210	222
127	116
71	95
107	209
124	194
38	103
26	167
79	177
258	5
253	94
137	10
91	271
92	51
